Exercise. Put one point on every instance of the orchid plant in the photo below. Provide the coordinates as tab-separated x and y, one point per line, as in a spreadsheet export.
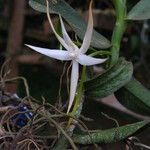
72	53
44	126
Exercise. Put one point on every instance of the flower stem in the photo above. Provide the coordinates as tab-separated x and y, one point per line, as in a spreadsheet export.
120	6
62	142
79	95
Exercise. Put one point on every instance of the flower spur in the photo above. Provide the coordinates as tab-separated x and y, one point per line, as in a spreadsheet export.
72	53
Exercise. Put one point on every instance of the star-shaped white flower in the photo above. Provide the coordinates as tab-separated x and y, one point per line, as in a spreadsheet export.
72	53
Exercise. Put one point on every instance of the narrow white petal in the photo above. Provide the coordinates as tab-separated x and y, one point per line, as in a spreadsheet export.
88	34
73	83
88	60
57	54
61	40
66	36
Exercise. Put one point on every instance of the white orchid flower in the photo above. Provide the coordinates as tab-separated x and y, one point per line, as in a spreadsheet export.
72	53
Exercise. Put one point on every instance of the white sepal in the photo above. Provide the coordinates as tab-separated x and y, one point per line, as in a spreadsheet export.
60	39
88	34
73	83
66	36
57	54
88	60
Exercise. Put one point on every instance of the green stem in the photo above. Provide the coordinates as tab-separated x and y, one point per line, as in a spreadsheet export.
120	6
100	53
63	142
79	94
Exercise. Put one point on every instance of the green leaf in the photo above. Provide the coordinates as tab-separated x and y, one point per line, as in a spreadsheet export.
140	11
73	19
110	81
135	96
110	135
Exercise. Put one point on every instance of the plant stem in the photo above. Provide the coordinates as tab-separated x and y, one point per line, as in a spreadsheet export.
100	53
78	97
120	6
63	142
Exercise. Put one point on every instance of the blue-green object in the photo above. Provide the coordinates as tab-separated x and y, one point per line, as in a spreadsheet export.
21	119
22	112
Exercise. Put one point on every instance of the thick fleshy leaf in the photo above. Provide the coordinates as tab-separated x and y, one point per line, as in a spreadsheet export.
73	19
110	81
140	11
88	60
110	135
135	97
73	83
57	54
88	34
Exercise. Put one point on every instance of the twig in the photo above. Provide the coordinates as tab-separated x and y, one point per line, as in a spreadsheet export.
3	68
110	118
29	141
68	77
60	84
5	108
142	145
